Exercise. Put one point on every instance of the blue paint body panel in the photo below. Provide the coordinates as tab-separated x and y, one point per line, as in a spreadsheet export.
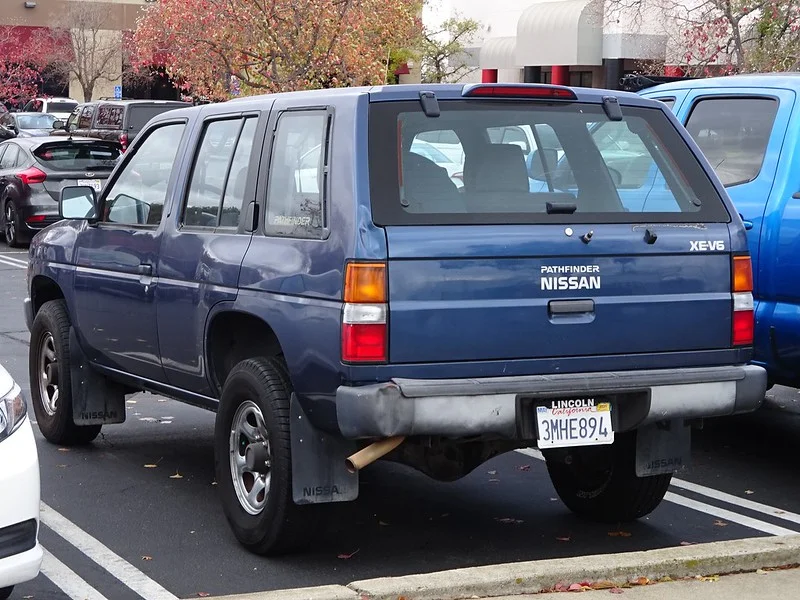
766	202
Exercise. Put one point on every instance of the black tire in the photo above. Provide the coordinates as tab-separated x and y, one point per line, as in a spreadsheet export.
279	526
5	592
601	484
11	224
50	337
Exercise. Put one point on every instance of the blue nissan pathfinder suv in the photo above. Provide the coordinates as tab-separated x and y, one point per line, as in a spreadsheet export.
294	263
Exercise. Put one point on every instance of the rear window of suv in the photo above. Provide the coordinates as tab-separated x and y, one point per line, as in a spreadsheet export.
78	156
533	163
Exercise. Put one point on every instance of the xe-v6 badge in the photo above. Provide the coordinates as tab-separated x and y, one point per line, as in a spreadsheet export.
706	246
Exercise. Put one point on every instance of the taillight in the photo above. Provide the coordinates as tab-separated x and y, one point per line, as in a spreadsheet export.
742	292
123	140
364	318
32	175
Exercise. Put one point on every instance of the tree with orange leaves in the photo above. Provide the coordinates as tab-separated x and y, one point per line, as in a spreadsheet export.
274	45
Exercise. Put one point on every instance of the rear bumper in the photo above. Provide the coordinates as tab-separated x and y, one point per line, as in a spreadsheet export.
497	406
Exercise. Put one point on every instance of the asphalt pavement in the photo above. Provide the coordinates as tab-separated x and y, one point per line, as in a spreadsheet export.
136	515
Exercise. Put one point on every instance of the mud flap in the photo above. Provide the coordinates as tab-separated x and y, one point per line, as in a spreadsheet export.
319	473
95	399
663	447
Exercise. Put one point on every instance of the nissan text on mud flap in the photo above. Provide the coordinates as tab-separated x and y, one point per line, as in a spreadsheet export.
296	264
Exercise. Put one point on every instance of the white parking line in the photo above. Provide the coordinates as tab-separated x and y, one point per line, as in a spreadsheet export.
67	580
103	556
713	510
13	262
729	515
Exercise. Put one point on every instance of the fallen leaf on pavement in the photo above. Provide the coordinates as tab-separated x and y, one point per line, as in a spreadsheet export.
619	534
524	468
748	492
492	472
710	578
176	476
617	591
602	585
563	539
687	543
575	587
203	594
63	449
719	523
346	556
761	572
145	557
150	466
641	581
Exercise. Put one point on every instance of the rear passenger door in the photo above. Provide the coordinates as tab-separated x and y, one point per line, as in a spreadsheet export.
205	241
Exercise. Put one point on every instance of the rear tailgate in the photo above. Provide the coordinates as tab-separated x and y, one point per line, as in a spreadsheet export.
76	162
485	293
620	245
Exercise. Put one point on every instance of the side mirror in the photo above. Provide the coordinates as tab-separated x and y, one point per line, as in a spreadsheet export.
59	124
78	202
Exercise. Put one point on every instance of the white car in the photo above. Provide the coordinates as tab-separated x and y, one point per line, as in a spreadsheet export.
61	108
20	552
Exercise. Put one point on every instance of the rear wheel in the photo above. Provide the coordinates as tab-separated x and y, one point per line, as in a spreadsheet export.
51	383
11	224
252	447
6	592
600	482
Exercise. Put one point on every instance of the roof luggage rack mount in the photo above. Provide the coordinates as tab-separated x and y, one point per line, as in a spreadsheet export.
637	83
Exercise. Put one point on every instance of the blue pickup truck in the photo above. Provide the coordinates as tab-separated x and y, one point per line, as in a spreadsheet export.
294	263
748	127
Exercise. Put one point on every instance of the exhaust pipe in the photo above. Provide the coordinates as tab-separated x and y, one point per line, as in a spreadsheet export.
373	452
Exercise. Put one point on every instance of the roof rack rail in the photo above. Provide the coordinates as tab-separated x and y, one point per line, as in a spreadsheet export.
636	83
112	98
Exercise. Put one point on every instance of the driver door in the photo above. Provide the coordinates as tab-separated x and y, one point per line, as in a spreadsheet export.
116	259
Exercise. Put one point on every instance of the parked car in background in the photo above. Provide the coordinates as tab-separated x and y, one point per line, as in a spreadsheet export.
116	120
748	127
60	107
33	171
20	490
381	309
29	124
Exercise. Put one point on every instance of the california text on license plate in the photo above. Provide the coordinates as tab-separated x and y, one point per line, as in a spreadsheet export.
92	183
575	422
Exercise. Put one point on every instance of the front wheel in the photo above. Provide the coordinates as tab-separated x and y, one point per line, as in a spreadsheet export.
252	448
600	482
51	382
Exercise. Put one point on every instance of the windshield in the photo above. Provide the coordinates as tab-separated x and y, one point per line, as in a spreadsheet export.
37	121
534	163
78	156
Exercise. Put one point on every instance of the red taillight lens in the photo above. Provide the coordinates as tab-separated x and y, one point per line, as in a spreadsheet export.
32	175
743	327
364	342
500	90
123	140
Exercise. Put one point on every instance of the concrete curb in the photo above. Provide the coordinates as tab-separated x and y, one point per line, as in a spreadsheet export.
536	576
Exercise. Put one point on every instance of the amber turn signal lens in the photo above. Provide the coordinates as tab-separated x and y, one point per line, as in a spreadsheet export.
742	274
365	283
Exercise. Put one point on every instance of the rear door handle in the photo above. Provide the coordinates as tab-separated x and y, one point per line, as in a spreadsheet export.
145	269
570	307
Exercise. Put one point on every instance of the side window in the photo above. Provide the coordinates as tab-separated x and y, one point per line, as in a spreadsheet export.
138	194
85	118
624	153
109	116
733	133
297	176
9	160
72	121
219	174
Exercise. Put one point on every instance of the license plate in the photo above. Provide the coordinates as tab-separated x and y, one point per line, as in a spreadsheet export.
92	183
575	422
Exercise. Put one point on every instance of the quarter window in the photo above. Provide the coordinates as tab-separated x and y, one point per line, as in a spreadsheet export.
733	133
297	178
9	160
138	194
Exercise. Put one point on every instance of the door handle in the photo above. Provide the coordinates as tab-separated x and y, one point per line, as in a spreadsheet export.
570	307
145	269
